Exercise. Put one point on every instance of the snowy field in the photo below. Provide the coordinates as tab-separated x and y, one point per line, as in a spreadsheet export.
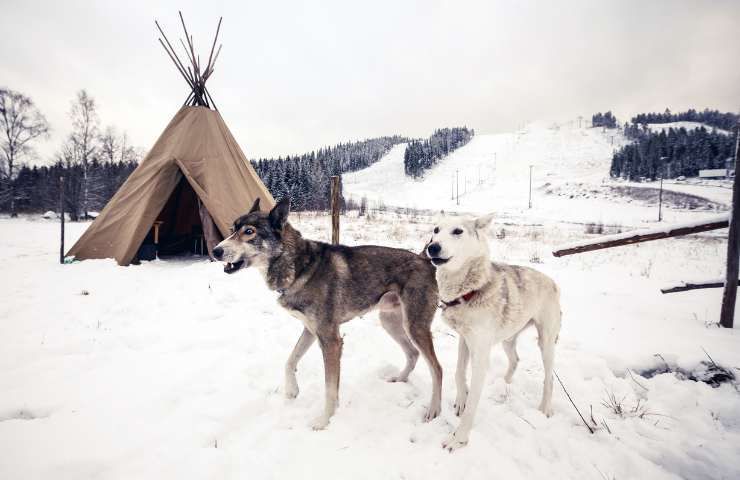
172	369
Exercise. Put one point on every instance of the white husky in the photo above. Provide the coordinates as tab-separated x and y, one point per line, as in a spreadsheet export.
487	303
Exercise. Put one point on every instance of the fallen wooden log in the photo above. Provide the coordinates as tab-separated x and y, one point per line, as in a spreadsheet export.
644	235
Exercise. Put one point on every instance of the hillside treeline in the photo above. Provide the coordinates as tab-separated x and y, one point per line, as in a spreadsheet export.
677	151
421	155
713	118
306	178
607	120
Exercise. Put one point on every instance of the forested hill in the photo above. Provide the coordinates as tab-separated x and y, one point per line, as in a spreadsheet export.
674	152
712	118
421	155
305	178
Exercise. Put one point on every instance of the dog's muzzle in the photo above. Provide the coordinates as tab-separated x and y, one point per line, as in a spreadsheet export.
233	267
437	261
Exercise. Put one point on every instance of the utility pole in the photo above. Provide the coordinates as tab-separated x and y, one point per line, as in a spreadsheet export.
457	183
660	201
530	186
660	194
727	314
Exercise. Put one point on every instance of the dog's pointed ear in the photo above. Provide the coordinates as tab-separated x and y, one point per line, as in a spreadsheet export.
279	213
255	206
484	222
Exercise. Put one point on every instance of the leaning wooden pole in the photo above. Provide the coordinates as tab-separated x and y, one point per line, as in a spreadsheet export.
727	314
639	236
335	209
61	217
686	286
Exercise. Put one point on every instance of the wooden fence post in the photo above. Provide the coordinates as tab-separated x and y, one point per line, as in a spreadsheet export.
61	216
727	314
335	209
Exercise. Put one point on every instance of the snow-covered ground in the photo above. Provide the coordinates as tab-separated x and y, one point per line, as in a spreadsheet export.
570	179
172	369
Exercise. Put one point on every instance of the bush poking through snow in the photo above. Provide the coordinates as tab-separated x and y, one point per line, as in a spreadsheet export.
594	228
706	372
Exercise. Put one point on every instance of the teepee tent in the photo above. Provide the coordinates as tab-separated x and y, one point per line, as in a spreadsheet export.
187	191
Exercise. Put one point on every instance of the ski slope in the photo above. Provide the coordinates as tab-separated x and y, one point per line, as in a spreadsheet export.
491	173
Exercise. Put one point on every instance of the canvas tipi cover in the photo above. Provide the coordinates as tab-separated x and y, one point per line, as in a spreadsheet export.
197	145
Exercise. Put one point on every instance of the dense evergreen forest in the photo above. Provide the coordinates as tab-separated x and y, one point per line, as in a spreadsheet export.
677	151
421	155
607	120
305	178
95	162
37	188
713	118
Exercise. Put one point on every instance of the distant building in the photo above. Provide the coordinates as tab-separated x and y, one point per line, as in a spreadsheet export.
717	173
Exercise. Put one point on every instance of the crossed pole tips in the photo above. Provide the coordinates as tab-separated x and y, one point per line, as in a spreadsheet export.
192	73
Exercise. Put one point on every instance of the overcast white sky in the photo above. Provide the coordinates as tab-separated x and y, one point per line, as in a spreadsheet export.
294	76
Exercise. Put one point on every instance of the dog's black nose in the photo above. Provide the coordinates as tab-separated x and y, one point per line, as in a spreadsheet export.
434	249
218	252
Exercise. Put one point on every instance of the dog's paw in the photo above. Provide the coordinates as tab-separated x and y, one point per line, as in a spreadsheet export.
320	423
508	377
453	442
432	413
291	388
546	410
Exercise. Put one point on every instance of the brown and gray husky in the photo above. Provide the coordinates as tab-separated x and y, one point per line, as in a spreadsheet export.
326	285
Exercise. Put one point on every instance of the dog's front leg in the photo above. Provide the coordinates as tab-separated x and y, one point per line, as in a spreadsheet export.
301	347
460	376
480	349
331	348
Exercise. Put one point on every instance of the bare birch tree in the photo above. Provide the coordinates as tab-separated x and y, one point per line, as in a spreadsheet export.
21	123
84	139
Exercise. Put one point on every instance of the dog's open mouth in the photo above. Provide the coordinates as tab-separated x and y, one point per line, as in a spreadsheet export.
233	267
437	261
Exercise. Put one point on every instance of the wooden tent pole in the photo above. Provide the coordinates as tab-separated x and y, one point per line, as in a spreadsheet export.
184	75
178	62
208	95
210	57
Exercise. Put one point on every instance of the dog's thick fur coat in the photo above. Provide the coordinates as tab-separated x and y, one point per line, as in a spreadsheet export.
326	285
487	303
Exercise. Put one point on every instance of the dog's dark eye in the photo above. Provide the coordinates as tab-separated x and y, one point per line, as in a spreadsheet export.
249	231
436	229
457	231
